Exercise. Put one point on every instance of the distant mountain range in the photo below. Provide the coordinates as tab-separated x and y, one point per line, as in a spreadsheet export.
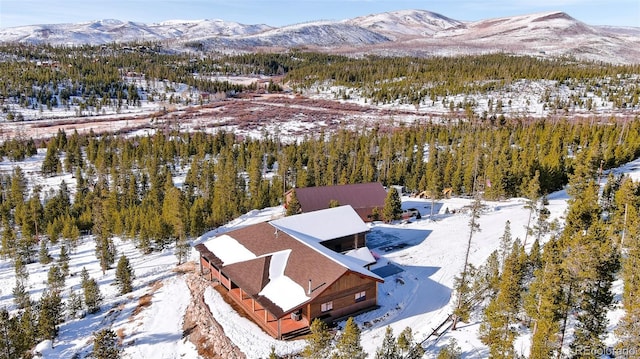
406	32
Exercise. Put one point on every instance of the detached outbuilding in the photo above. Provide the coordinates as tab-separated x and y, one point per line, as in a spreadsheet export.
362	197
283	276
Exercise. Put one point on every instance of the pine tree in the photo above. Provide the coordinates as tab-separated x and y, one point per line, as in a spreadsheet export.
628	330
20	295
43	254
18	187
592	265
534	259
18	335
434	177
405	340
63	260
273	354
74	304
542	225
54	229
496	331
102	228
55	278
8	240
51	164
26	332
105	345
486	280
348	345
319	341
20	268
407	345
463	304
105	252
544	302
49	314
124	275
91	292
389	348
172	209
198	214
451	351
590	262
506	242
28	216
6	346
392	206
293	204
255	181
70	231
375	214
84	276
182	249
462	308
532	193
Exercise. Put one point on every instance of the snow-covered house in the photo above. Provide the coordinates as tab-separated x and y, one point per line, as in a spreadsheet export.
362	197
282	275
339	228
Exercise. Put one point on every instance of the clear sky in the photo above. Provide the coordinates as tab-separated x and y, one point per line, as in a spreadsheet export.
287	12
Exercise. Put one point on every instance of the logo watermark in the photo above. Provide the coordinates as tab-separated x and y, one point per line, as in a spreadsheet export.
608	351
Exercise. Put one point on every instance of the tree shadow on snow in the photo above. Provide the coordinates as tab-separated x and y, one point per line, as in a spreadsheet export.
153	338
443	342
407	294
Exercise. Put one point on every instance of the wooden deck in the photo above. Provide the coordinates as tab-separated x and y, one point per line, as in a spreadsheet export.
266	320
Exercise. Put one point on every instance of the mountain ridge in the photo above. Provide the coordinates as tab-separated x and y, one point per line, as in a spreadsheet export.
397	33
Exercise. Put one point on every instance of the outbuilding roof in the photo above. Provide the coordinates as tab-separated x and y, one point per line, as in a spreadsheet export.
357	195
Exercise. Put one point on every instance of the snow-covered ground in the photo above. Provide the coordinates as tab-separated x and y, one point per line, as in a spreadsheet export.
428	254
521	98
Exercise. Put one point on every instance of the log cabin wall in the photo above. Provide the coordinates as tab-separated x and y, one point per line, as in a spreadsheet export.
350	294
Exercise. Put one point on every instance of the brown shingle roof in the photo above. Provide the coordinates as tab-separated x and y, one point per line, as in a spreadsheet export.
359	196
206	253
251	275
262	239
303	264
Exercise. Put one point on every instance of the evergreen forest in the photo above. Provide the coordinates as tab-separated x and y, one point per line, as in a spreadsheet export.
128	186
92	79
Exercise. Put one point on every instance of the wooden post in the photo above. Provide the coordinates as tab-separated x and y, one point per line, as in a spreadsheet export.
279	330
376	293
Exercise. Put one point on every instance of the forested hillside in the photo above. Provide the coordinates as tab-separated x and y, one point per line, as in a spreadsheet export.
97	80
166	188
122	184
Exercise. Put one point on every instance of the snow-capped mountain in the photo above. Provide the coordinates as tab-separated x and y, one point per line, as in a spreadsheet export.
108	31
540	34
405	32
319	34
554	33
406	23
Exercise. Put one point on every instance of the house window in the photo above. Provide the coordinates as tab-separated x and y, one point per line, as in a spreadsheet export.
361	296
325	307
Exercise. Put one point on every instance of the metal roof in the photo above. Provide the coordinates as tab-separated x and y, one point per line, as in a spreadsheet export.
358	196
